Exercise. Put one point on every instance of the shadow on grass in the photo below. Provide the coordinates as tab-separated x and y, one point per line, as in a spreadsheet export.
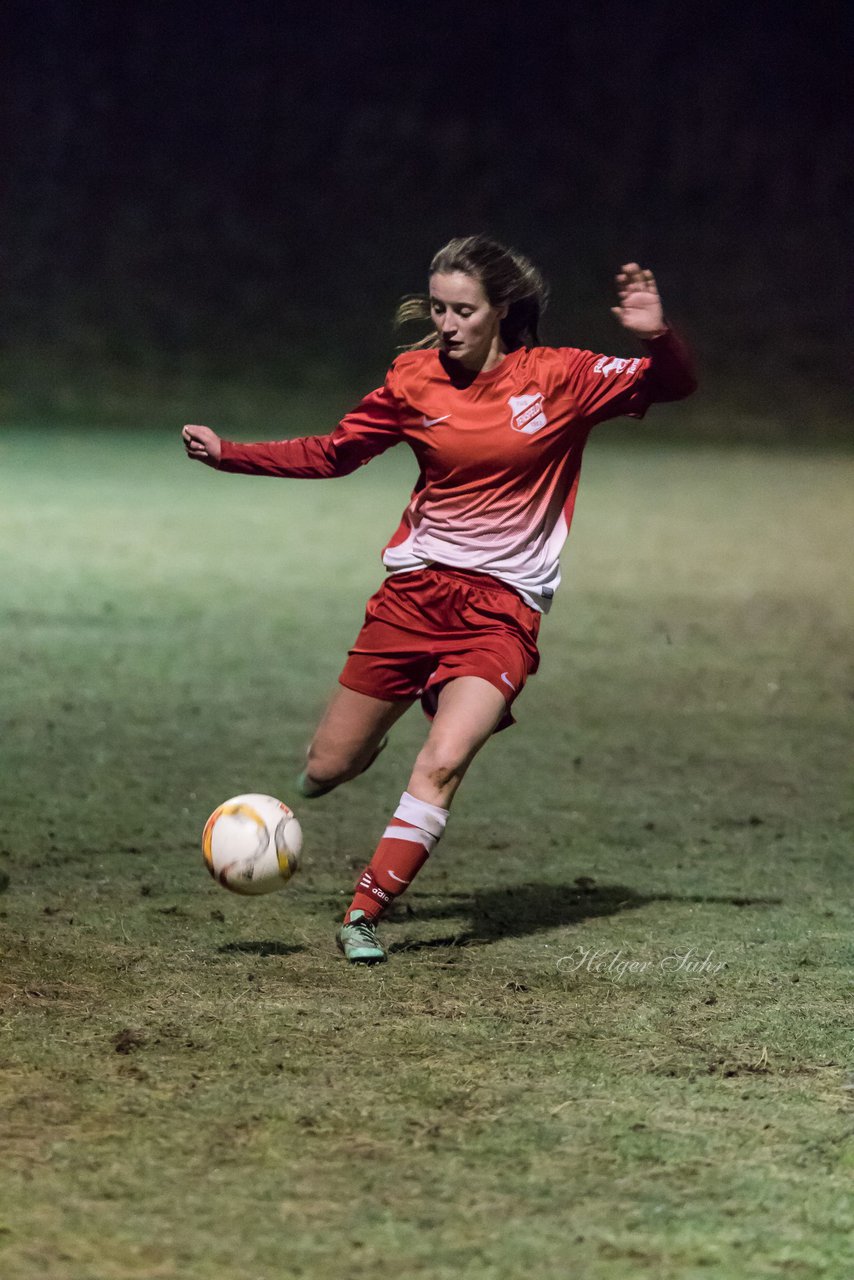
260	948
530	908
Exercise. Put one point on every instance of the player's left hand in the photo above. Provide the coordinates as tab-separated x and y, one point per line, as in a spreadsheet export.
640	308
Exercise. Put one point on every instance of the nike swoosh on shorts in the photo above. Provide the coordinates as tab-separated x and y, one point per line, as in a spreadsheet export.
431	422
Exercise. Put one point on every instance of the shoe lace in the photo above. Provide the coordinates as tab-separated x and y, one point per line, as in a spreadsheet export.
365	931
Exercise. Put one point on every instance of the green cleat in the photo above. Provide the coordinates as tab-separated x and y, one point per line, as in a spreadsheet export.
313	790
358	940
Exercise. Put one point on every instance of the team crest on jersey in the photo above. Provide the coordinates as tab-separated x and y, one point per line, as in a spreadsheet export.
614	364
528	412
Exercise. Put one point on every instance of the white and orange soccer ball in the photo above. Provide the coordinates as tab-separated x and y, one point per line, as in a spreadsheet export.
252	844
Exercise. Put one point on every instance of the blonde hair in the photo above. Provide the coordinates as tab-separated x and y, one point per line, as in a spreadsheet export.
508	279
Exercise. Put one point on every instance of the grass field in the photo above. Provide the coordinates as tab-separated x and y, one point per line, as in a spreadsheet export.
614	1039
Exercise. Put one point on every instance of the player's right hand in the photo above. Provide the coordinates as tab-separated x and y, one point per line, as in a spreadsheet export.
202	445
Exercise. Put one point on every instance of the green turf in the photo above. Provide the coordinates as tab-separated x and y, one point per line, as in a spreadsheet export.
195	1087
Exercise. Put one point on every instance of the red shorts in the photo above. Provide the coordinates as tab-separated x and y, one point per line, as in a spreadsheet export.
428	626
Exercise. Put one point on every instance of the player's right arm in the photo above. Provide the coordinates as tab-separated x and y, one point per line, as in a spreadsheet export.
364	433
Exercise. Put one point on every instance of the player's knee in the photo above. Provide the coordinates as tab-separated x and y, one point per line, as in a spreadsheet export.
440	764
328	766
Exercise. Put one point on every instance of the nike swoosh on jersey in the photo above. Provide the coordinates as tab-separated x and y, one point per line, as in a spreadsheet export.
432	422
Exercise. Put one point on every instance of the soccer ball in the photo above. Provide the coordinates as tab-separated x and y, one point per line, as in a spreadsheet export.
252	844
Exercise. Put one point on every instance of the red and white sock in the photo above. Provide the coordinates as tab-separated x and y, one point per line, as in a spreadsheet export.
406	844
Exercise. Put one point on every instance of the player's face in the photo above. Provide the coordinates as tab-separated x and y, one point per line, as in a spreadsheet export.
467	325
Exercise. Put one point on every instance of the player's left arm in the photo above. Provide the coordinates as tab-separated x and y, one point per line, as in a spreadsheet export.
609	386
669	373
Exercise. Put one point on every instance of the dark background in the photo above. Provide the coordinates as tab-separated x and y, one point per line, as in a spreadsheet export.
240	192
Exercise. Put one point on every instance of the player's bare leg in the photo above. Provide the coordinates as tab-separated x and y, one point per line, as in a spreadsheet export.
469	711
348	739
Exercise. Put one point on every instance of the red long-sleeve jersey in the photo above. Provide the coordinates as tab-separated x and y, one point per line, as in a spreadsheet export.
499	459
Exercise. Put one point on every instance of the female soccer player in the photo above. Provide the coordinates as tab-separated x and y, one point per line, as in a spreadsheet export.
498	424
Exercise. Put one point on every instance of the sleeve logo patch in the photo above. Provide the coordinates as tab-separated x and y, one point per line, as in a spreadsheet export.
614	364
528	413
